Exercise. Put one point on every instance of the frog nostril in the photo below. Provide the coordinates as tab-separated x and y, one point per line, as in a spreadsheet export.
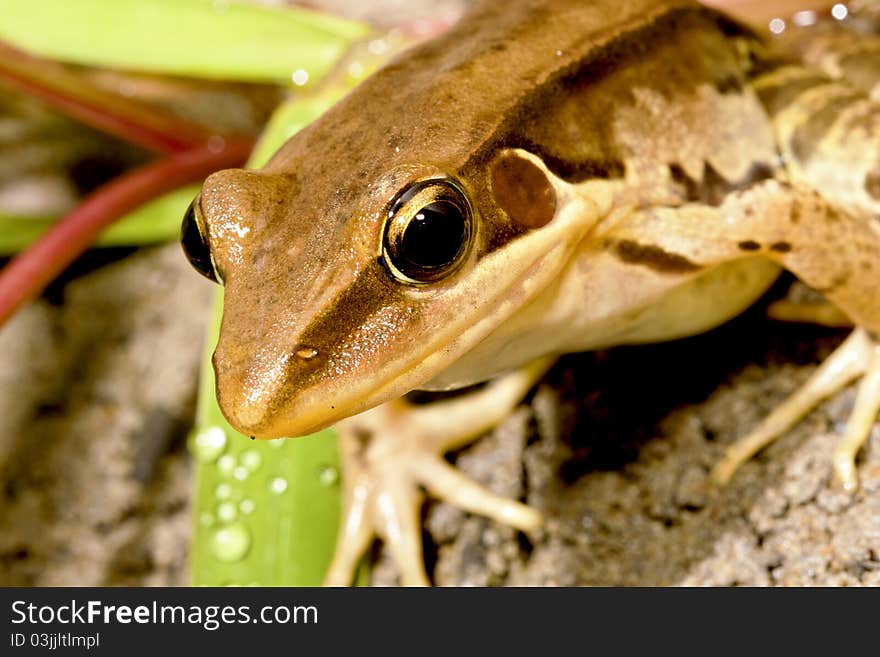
306	353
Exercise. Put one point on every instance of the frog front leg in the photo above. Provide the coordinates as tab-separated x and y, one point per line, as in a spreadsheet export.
835	252
394	450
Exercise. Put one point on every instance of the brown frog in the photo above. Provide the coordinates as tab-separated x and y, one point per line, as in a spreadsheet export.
546	177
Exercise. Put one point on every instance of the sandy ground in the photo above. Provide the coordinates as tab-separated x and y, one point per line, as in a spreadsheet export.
96	398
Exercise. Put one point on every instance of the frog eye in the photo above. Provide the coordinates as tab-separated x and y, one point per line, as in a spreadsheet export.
427	232
194	240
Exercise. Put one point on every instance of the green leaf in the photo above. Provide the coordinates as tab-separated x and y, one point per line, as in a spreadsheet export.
221	39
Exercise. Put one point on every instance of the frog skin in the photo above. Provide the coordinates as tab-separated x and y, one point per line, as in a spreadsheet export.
545	177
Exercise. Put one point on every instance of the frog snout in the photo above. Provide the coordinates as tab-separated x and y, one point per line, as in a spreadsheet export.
267	396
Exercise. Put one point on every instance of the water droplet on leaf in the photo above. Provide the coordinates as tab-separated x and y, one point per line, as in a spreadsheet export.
223	491
251	460
231	543
300	77
226	464
209	443
328	475
278	485
227	512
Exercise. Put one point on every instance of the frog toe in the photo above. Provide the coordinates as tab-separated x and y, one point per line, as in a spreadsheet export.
445	482
394	451
381	498
857	358
859	425
355	535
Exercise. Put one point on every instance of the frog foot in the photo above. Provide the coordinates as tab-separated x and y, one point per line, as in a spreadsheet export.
857	357
393	451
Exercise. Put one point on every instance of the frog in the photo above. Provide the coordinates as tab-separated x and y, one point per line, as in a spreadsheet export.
546	177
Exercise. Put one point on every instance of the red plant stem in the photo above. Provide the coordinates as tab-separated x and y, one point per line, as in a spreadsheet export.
32	270
77	97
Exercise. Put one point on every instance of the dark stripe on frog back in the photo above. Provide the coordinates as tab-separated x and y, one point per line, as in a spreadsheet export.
713	188
541	113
